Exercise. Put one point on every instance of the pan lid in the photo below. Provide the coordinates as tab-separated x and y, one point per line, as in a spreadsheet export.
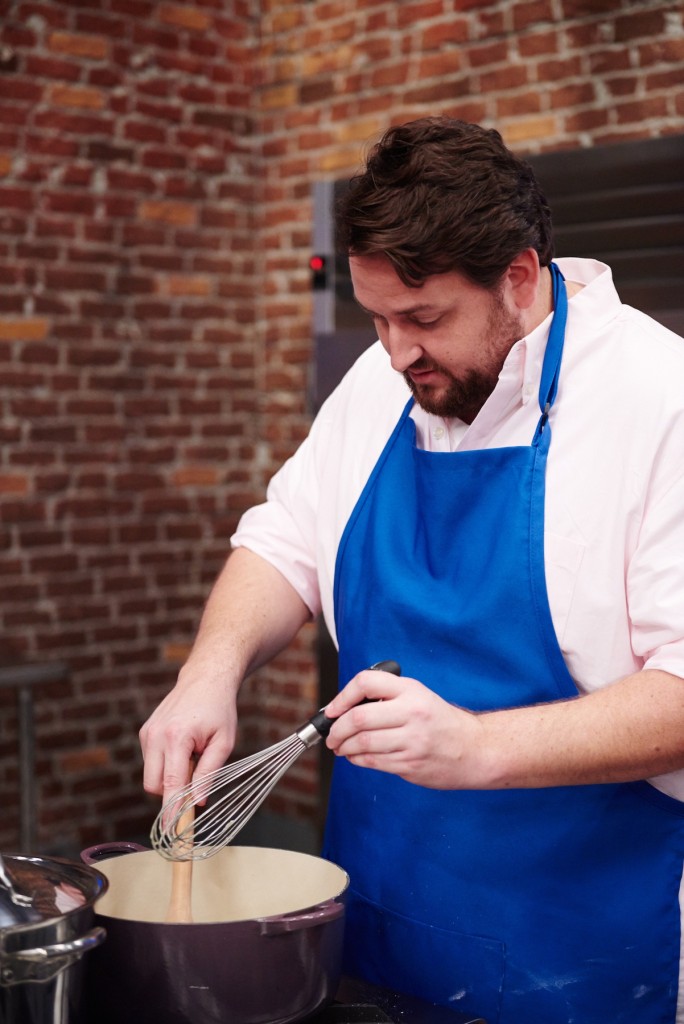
36	889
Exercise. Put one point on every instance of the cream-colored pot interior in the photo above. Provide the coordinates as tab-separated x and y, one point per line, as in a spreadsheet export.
238	883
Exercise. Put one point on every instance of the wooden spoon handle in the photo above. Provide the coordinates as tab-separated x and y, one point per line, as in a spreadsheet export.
180	903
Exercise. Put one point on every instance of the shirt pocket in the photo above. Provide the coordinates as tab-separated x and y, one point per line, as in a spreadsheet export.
562	560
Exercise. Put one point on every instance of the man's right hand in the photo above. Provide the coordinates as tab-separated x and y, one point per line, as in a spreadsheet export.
252	614
195	720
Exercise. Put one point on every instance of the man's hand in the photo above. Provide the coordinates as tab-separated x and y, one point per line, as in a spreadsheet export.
632	729
195	718
252	614
408	730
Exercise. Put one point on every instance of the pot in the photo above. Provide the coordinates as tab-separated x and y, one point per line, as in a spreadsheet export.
264	945
46	925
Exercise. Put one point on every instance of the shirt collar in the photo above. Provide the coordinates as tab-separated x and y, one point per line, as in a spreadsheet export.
596	303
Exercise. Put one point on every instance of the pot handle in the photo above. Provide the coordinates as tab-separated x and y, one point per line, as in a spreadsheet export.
323	914
104	851
45	962
75	947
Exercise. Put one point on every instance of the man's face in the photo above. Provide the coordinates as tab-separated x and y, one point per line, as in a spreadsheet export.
448	337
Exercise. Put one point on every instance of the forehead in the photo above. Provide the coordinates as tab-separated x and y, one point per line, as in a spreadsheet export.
379	289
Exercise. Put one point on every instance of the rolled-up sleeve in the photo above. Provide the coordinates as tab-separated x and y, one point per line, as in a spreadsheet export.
655	578
282	529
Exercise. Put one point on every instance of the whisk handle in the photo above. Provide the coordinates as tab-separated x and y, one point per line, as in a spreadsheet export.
320	721
387	666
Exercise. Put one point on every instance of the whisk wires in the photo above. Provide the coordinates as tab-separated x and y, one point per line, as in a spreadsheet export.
247	783
250	780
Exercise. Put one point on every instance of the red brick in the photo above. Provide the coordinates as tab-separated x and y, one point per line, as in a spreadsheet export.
622	85
637	25
23	88
606	60
75	280
37	66
195	476
444	33
568	96
101	25
185	16
23	329
168	212
160	158
130	181
76	96
482	55
134	8
510	77
573	9
144	131
76	124
79	45
14	483
532	12
408	15
639	111
537	43
51	145
16	198
664	79
586	120
663	50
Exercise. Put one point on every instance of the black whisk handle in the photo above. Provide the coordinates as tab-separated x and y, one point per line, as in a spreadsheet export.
320	721
387	666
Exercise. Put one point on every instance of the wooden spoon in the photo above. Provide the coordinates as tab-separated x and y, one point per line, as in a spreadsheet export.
180	904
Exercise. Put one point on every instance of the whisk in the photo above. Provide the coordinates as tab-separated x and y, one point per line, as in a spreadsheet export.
246	783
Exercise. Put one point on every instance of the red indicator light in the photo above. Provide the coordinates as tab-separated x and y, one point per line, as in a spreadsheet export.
319	273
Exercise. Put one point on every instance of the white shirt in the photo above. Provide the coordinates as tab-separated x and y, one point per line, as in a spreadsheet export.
614	520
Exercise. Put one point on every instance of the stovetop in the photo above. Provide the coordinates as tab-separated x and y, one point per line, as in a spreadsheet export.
358	1002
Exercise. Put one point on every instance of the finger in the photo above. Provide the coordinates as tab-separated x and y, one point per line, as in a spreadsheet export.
382	709
177	804
175	772
153	771
367	685
373	726
213	757
374	743
344	700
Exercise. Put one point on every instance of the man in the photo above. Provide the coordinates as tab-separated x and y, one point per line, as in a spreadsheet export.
509	528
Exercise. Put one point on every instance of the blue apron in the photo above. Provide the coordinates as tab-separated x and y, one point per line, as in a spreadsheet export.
553	905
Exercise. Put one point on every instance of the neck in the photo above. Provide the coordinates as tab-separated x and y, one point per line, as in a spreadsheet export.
543	304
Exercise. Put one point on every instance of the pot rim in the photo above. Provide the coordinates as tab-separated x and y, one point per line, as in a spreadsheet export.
70	870
125	850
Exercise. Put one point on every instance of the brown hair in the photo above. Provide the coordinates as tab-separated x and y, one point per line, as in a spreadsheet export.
438	195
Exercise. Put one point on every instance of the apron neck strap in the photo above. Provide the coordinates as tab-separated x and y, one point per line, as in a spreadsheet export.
548	385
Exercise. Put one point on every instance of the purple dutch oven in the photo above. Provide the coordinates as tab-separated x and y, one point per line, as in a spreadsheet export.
264	944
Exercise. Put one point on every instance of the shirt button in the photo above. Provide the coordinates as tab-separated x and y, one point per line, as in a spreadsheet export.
527	390
439	433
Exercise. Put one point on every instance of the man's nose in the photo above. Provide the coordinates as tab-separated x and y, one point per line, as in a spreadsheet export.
402	347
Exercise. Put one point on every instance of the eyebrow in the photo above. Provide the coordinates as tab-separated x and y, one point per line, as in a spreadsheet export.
421	307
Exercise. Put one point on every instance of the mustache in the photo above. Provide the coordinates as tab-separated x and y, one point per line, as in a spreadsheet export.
423	364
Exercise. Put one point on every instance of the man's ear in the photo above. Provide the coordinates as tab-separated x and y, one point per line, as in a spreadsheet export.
522	280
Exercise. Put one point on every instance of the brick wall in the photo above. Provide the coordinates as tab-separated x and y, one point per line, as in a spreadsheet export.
130	355
156	163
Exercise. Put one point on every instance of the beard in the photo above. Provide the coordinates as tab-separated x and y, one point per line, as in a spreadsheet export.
463	397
